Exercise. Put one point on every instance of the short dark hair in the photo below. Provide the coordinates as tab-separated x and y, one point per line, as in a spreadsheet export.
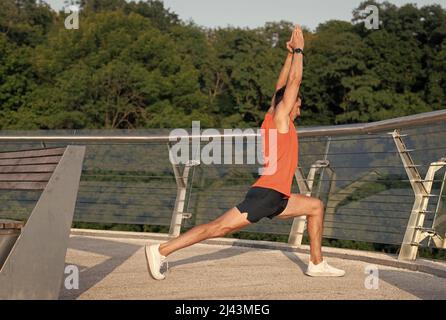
278	96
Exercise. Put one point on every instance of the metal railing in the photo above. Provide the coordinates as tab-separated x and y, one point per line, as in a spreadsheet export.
317	131
357	170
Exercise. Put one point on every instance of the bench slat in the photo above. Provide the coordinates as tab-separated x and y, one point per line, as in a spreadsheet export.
25	176
23	161
28	168
32	153
15	185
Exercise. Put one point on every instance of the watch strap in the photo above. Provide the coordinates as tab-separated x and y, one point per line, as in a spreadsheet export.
298	50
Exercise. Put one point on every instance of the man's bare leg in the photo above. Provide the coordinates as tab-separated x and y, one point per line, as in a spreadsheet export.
230	221
313	208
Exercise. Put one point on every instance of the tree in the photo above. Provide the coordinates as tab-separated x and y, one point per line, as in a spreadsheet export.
114	72
137	65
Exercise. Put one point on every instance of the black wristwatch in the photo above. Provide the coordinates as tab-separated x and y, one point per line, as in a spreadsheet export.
298	50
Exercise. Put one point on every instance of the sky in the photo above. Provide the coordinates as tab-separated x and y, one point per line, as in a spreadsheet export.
254	13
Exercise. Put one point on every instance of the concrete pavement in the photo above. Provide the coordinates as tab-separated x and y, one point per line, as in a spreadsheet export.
115	268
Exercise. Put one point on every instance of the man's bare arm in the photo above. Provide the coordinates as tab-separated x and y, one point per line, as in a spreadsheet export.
283	76
294	78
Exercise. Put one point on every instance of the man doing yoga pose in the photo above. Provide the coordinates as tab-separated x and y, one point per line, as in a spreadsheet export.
270	196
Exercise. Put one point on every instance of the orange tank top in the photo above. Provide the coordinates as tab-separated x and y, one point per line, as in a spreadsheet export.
278	169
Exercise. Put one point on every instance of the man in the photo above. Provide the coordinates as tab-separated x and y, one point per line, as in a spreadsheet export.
270	196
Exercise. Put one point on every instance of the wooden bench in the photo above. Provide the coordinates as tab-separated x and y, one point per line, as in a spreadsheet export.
34	266
28	170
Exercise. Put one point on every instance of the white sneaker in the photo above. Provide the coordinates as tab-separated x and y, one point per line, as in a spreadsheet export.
155	261
323	269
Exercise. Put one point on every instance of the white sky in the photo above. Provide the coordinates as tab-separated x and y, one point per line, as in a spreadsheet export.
254	13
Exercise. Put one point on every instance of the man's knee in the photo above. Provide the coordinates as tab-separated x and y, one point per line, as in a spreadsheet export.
318	207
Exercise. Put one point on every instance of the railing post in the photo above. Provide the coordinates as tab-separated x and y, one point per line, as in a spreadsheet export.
415	232
305	187
181	179
439	223
327	148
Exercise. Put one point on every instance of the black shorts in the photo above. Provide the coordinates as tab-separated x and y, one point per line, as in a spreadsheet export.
262	202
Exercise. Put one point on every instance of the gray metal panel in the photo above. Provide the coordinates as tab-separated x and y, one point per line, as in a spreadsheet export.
34	268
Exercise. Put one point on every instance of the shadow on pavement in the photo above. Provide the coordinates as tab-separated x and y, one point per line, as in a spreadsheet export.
116	252
419	284
221	254
294	258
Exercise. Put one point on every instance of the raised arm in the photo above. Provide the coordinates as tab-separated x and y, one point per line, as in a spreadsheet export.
283	76
294	78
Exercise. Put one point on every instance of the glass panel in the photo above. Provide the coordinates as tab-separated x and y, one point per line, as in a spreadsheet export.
370	199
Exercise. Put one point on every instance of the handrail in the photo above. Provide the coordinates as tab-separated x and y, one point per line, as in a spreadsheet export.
348	129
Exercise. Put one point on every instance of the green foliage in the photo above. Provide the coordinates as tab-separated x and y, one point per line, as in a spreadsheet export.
25	22
136	65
